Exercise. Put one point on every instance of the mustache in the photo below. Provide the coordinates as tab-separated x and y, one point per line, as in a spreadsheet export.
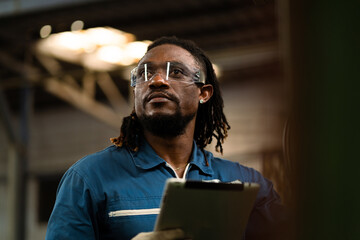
160	93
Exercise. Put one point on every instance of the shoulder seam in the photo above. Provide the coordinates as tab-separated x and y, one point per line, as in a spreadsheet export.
84	178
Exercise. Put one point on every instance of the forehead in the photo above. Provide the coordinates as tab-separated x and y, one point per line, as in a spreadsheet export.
169	53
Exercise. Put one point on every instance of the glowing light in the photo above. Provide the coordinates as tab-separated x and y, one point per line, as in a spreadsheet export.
111	54
109	36
45	31
136	50
77	25
96	48
74	41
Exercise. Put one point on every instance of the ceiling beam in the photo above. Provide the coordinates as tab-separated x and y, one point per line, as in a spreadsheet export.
74	95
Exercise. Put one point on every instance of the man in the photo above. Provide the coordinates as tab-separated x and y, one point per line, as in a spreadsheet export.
116	193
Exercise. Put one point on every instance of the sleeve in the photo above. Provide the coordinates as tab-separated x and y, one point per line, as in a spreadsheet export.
74	212
268	217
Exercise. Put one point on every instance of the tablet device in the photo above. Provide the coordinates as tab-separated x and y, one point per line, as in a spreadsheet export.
207	210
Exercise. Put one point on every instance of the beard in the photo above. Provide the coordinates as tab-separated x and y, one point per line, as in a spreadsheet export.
165	125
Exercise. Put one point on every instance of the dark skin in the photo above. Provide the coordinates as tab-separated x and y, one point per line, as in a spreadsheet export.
150	101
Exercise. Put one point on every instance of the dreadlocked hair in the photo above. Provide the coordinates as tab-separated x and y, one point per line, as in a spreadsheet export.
130	132
210	121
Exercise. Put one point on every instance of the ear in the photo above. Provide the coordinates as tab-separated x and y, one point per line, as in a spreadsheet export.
206	92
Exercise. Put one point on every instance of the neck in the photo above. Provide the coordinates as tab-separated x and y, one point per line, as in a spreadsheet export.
176	150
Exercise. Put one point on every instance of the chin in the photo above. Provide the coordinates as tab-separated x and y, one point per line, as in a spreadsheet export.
166	124
162	112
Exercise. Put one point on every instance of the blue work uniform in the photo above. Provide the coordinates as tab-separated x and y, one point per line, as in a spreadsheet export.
115	193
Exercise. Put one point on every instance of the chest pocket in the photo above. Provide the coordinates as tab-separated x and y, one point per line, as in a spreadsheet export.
127	217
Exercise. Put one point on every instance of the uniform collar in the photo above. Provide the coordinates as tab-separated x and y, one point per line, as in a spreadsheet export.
146	158
198	159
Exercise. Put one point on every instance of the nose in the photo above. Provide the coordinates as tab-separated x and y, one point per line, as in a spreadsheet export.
158	81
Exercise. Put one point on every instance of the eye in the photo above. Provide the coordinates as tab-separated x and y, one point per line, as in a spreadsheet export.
141	73
176	73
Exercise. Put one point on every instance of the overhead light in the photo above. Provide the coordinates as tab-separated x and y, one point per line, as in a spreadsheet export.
77	25
111	54
108	36
137	49
111	46
45	31
72	41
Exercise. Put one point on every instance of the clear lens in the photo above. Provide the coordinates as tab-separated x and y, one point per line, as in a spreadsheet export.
170	71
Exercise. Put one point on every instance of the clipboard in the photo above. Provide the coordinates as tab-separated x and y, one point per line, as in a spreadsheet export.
206	210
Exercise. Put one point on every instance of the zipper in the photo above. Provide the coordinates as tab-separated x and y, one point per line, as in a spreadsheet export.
134	212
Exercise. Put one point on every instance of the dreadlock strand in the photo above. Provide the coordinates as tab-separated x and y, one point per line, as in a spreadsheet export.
129	132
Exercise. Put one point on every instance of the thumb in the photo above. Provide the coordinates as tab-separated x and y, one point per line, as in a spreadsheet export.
170	234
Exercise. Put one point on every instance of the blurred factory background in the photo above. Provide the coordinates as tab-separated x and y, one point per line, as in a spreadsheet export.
64	86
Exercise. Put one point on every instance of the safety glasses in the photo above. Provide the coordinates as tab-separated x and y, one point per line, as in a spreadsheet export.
169	71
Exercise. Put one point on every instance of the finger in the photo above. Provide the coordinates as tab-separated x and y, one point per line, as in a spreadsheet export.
170	234
144	236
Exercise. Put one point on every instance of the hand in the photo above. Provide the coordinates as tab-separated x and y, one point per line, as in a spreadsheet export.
161	235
